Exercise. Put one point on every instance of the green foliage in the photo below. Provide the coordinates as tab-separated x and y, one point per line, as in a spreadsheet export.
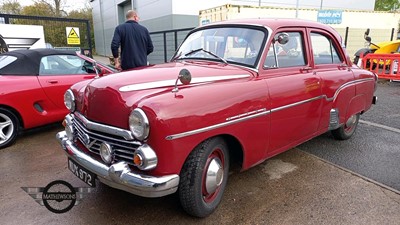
387	5
11	7
37	9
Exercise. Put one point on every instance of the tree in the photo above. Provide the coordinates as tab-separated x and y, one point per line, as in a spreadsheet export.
386	5
55	5
11	7
38	9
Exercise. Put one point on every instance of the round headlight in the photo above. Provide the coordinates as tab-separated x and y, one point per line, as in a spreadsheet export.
106	152
69	100
139	124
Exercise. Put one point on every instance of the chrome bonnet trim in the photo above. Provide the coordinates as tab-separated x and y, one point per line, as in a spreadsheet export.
105	128
171	83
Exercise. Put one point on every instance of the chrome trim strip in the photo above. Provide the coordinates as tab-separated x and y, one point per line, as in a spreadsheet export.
262	112
297	103
171	83
105	128
229	122
348	84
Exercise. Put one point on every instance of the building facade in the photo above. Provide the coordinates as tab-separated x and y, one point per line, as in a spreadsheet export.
161	15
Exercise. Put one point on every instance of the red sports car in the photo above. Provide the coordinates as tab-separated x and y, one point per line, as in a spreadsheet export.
32	87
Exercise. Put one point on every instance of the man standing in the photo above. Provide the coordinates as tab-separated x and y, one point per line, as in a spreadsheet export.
135	43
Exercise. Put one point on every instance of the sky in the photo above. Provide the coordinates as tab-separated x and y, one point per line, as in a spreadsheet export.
68	6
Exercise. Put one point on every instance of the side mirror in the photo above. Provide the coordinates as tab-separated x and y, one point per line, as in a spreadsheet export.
281	38
367	32
184	77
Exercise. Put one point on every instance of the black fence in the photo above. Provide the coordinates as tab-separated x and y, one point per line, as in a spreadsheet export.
55	30
165	44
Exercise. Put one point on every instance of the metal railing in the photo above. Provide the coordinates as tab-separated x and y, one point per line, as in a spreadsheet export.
165	44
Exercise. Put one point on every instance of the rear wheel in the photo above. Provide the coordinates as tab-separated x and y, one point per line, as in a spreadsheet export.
348	129
204	177
9	127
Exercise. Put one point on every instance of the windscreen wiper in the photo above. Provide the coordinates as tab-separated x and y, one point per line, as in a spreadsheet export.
202	49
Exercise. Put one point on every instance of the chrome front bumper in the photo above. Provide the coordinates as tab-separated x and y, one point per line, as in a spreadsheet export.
119	175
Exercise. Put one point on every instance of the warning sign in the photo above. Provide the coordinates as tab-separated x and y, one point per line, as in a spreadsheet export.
73	36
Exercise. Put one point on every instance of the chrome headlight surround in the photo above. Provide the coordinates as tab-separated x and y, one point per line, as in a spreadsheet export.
139	124
69	100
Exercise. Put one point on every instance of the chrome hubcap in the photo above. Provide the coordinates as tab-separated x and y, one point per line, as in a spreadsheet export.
6	128
214	175
351	121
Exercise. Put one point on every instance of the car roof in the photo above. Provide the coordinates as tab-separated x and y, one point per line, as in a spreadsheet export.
274	23
28	60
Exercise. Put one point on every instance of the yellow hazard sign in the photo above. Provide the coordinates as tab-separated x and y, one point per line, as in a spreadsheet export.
73	36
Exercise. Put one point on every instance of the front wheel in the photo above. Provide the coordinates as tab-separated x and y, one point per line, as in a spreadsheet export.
347	130
203	177
9	127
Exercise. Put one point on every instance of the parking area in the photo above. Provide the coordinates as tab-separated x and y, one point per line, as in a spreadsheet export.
322	181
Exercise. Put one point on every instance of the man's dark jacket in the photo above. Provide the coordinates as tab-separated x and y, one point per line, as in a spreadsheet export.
135	44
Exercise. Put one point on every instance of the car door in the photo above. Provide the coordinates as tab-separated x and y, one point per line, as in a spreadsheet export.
295	91
58	72
329	64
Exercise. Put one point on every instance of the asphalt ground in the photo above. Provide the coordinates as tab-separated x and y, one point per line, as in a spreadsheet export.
374	151
292	188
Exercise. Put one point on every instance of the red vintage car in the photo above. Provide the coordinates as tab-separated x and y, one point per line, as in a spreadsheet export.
32	87
237	91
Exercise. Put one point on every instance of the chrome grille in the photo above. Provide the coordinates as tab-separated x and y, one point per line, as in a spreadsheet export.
123	149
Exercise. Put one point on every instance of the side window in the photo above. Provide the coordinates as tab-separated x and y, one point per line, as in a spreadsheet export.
64	65
323	50
286	55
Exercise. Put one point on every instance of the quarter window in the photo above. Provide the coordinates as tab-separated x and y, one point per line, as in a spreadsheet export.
6	60
323	50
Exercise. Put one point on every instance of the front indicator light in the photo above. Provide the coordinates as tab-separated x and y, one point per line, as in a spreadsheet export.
145	158
138	160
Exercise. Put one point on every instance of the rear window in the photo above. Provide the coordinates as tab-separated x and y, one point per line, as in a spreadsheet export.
6	60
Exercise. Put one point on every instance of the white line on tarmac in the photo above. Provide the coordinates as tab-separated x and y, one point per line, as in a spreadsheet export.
380	126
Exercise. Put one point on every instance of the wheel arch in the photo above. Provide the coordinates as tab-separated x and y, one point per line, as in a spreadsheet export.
19	117
235	149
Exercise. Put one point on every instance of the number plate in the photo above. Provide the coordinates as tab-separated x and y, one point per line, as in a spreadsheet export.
82	173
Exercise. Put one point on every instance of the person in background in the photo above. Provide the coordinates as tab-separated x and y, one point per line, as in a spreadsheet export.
135	42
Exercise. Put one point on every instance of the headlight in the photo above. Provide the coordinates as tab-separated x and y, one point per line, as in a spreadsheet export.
139	124
69	100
